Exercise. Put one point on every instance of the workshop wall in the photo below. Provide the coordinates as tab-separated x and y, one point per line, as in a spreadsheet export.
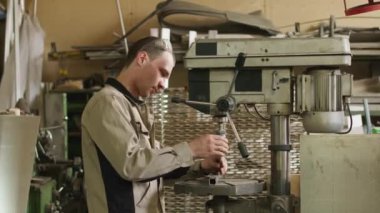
95	22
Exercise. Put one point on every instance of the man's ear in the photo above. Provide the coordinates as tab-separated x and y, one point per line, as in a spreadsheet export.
142	57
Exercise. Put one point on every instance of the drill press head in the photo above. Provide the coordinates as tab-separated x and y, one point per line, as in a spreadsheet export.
267	76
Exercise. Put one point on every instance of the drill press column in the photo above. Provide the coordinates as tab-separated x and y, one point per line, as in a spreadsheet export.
280	147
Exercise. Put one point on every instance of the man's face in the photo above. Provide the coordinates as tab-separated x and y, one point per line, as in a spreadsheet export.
154	74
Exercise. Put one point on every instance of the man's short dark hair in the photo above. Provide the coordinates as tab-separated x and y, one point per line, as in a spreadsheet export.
153	46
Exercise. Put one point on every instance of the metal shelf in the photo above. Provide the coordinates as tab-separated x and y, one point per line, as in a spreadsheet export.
357	106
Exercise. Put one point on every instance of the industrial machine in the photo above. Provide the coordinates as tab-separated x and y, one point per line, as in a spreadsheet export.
290	75
57	184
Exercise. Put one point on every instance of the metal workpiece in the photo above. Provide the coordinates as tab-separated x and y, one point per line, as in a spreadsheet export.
280	147
222	187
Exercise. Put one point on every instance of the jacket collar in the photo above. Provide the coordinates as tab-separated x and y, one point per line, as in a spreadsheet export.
120	87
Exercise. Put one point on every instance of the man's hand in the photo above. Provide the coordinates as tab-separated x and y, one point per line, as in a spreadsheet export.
209	145
214	165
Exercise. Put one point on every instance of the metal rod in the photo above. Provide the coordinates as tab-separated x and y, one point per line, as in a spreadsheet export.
233	128
35	8
122	25
240	145
17	25
233	81
367	116
199	103
177	100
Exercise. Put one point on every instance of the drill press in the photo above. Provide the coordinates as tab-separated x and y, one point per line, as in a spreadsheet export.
229	72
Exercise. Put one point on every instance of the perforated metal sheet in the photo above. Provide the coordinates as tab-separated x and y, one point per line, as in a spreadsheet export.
177	122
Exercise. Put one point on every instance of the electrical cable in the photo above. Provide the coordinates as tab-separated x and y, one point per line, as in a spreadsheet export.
249	112
350	128
257	112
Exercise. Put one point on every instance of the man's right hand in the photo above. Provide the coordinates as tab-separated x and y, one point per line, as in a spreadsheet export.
207	145
212	165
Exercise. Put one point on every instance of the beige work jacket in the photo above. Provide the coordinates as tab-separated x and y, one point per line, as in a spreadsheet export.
123	164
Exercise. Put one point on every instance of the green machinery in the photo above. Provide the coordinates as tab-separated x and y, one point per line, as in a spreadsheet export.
57	186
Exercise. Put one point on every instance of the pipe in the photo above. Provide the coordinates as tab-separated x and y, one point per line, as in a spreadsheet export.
122	25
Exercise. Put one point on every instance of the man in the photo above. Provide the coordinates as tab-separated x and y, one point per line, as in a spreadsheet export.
123	163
